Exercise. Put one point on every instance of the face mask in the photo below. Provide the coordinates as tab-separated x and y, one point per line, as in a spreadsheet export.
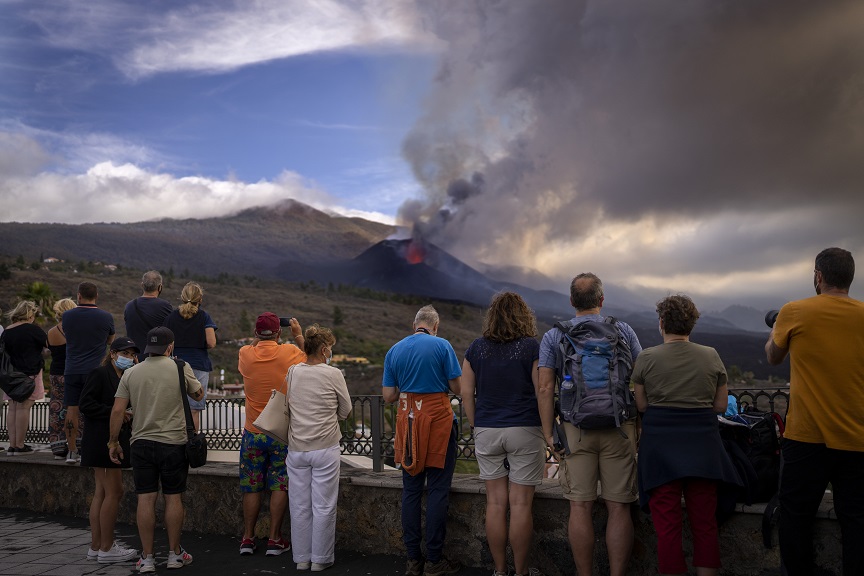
660	329
329	358
123	363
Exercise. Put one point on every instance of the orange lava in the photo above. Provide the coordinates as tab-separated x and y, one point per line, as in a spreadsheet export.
416	253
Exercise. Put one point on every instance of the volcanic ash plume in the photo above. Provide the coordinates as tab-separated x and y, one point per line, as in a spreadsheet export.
550	116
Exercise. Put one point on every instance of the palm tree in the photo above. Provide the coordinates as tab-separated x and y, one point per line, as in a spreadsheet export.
41	294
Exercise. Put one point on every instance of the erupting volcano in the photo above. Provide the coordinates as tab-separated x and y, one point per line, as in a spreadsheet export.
415	252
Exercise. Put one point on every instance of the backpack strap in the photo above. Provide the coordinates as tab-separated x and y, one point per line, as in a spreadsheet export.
190	427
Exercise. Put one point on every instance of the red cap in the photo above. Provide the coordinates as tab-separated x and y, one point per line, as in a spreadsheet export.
267	324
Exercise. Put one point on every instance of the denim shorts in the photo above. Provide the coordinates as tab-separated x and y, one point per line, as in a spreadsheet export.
155	462
202	377
262	463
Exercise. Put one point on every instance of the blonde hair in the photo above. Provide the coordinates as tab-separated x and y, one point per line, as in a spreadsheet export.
61	306
23	311
317	336
191	296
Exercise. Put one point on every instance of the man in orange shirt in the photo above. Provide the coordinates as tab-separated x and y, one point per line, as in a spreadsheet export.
824	440
264	365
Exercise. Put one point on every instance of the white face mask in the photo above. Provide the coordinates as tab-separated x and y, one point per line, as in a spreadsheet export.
329	359
660	328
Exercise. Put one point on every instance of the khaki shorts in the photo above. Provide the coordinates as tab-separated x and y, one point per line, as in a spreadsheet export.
602	455
523	447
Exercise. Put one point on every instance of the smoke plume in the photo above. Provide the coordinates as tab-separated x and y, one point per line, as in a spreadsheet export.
551	118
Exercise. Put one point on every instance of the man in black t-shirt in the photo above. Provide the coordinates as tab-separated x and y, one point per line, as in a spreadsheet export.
147	311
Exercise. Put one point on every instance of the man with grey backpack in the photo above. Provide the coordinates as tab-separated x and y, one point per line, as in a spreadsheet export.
590	358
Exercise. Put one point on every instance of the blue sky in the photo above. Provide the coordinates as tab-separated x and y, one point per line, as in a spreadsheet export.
665	146
110	86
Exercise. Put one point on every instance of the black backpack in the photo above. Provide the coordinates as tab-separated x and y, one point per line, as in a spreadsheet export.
594	375
757	435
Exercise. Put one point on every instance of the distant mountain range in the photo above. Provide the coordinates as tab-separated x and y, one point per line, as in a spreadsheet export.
295	242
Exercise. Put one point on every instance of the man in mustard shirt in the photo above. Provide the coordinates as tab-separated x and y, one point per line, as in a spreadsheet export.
824	338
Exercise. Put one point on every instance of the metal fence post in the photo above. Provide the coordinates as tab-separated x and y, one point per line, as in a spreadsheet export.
377	432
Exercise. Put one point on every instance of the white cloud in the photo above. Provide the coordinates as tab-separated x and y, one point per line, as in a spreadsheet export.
221	36
109	192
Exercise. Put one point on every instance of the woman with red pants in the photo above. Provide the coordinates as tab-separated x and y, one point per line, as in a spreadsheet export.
681	387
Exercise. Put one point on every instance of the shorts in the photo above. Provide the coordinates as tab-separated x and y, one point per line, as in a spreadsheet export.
202	377
155	462
262	463
73	387
602	455
523	447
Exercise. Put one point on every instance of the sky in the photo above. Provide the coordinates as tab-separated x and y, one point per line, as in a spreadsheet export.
712	148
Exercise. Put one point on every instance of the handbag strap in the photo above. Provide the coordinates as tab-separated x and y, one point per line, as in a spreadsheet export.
288	383
190	427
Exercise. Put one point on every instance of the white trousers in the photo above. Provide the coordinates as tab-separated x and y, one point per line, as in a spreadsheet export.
313	488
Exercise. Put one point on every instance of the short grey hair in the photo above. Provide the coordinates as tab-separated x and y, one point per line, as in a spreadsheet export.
151	280
427	315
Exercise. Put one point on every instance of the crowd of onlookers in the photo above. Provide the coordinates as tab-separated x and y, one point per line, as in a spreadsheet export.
639	425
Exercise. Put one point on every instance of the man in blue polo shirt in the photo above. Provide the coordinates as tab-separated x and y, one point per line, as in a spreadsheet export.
419	371
88	331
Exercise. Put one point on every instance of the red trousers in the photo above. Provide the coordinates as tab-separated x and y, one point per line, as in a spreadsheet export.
700	496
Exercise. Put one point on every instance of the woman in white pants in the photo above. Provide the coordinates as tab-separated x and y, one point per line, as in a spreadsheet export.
318	399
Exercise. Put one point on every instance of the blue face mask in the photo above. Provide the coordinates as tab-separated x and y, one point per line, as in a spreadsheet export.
123	363
329	358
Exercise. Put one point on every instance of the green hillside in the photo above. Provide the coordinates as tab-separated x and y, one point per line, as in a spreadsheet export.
366	323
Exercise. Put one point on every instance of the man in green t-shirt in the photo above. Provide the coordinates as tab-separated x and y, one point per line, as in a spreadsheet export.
158	441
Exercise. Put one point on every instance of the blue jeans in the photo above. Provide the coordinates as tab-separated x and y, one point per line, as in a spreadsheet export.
807	470
437	482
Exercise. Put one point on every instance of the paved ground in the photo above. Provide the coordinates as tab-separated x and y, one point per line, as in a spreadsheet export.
32	543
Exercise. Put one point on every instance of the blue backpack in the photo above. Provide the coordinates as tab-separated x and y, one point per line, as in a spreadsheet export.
594	375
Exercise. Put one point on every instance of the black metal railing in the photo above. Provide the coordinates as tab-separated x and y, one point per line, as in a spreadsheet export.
368	430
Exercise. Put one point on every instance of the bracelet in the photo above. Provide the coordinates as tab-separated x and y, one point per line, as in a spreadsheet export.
113	444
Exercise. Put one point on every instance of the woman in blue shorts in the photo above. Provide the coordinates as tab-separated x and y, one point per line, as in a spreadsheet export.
194	333
511	451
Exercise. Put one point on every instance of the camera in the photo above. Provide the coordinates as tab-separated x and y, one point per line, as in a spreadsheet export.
771	317
284	321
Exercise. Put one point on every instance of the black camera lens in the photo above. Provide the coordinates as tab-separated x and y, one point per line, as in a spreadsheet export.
771	317
284	321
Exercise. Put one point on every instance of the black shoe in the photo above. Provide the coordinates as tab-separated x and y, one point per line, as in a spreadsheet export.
25	450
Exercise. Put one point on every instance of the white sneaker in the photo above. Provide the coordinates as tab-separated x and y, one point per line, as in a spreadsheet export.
321	566
146	564
92	554
73	458
179	560
117	553
303	565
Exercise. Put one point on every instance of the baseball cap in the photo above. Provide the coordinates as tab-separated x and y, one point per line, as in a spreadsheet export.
158	340
267	324
123	343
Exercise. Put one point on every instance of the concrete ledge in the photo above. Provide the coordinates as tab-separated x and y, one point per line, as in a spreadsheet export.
369	516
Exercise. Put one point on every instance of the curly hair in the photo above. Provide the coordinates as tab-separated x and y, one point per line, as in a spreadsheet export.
678	314
317	336
508	318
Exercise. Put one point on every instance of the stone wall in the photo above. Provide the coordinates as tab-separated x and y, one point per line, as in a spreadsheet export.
369	521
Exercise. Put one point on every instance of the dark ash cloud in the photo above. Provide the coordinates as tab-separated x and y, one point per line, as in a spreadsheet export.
579	113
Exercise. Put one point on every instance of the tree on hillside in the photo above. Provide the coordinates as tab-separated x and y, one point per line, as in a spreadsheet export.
338	316
244	324
42	295
5	272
